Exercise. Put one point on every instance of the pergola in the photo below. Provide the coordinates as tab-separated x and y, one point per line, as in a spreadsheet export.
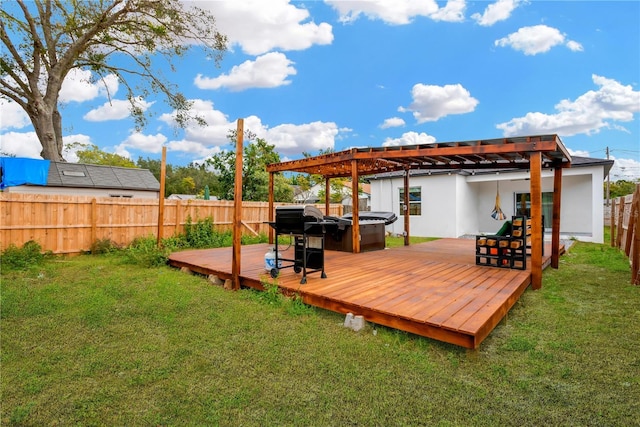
532	153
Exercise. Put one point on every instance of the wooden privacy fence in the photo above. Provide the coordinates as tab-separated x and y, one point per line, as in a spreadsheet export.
70	224
625	229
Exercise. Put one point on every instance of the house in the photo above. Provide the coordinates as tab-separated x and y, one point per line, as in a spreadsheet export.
454	203
312	195
21	175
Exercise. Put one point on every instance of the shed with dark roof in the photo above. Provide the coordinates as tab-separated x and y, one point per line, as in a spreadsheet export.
86	180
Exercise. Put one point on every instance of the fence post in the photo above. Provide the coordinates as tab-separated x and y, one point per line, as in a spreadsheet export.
94	221
163	174
619	231
612	223
635	231
631	226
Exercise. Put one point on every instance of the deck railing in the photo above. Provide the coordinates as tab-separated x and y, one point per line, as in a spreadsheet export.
625	229
71	224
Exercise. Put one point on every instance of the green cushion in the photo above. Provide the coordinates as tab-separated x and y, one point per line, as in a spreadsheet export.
505	230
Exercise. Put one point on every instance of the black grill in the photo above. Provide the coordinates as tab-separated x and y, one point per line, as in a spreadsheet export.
307	228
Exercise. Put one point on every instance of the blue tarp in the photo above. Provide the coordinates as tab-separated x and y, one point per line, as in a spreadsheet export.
20	171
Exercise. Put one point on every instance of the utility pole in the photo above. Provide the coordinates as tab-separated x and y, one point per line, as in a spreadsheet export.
608	179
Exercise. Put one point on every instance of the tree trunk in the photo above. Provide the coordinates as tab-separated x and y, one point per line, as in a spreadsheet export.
47	123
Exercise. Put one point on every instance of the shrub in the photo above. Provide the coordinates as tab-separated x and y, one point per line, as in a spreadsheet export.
21	258
175	243
251	240
144	251
103	246
201	234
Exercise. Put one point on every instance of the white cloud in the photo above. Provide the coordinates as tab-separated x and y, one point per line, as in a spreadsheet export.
79	86
409	138
73	143
536	39
260	26
217	127
452	12
27	144
12	115
20	144
116	109
579	153
267	71
141	142
627	169
574	46
495	12
398	12
431	102
392	122
194	148
588	114
288	138
308	137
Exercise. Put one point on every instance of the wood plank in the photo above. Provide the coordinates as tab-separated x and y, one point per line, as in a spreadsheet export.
432	289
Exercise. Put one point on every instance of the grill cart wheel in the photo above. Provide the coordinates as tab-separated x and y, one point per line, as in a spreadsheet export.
274	273
297	269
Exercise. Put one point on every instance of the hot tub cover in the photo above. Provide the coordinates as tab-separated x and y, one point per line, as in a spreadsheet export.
387	217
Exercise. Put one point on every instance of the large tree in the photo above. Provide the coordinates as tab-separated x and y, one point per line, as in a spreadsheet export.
43	40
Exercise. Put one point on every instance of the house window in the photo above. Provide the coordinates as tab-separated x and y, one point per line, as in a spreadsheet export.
523	206
415	201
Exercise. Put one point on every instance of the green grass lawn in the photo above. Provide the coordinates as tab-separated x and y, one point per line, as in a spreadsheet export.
394	241
90	340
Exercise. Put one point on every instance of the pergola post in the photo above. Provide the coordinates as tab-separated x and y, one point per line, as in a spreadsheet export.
237	208
355	211
535	164
327	196
271	203
405	208
555	226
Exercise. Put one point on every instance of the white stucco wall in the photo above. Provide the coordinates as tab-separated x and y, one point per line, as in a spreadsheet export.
466	202
438	218
455	205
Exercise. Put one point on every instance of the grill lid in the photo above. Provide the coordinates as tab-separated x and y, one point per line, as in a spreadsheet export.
304	213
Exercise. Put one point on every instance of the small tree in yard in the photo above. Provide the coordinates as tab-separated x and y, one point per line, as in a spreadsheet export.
255	178
43	40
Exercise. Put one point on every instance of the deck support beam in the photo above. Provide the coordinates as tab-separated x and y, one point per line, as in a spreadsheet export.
555	226
535	163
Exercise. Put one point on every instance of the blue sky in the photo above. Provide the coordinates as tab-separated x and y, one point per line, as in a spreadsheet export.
314	75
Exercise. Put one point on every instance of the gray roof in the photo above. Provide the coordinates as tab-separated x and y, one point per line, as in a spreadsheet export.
94	176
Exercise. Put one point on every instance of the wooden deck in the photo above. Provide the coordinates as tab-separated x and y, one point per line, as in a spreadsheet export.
432	289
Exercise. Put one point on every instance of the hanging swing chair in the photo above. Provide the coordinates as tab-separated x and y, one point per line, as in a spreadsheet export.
497	213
